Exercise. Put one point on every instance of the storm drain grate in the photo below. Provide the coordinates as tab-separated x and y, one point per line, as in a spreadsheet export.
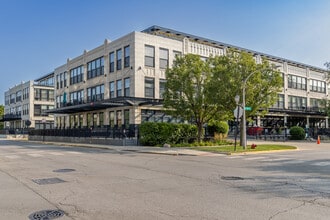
46	215
64	170
231	178
48	181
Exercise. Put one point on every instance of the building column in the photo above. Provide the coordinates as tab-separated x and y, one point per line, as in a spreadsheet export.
258	121
307	121
327	122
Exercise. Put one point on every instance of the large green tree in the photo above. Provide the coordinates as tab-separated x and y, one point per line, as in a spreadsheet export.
185	95
2	109
199	91
238	69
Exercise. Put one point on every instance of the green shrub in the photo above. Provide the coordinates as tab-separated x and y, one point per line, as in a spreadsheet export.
220	127
159	133
297	133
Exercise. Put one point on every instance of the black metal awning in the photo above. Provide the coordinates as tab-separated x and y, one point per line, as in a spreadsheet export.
104	104
10	117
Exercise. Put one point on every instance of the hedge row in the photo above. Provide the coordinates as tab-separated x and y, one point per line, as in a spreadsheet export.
159	133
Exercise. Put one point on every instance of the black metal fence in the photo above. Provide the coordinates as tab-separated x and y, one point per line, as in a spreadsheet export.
107	132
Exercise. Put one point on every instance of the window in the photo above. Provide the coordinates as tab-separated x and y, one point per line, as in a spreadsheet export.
162	83
317	86
101	119
280	102
126	56
19	96
119	88
81	120
149	59
296	82
126	118
149	87
118	55
127	86
112	90
297	103
76	75
119	118
95	93
112	62
77	97
163	58
111	119
95	68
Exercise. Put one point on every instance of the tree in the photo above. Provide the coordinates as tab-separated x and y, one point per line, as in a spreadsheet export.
326	102
229	74
185	93
1	114
199	91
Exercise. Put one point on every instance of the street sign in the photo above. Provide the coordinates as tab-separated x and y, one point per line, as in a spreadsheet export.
238	112
248	108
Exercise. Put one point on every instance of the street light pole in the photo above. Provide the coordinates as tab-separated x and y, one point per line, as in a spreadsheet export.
244	141
244	115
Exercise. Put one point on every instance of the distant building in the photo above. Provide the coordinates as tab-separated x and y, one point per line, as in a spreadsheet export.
26	103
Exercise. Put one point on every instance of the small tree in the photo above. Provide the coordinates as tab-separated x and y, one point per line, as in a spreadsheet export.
1	114
186	94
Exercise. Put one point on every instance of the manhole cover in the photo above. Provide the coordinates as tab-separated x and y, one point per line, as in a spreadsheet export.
48	181
46	215
64	170
231	178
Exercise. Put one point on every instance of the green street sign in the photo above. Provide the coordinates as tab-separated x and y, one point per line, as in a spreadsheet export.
248	108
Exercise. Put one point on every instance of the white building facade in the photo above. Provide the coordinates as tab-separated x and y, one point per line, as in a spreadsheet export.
120	83
26	103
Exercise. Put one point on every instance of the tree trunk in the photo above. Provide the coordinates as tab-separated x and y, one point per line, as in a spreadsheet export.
199	132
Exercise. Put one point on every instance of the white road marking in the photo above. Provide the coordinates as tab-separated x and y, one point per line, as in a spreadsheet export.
325	163
254	158
56	153
35	155
12	156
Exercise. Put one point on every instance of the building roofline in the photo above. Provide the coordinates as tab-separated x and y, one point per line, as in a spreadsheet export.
218	43
44	76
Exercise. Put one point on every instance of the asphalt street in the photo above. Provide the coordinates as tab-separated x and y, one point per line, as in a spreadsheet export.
147	183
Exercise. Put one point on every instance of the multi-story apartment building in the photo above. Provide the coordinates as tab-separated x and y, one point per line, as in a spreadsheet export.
121	82
26	103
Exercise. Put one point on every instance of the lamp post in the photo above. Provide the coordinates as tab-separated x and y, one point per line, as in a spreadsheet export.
244	115
244	141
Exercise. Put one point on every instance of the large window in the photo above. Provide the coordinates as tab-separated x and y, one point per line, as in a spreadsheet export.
317	86
40	109
297	82
76	75
126	118
119	88
127	87
297	103
19	96
149	87
26	93
149	57
280	102
118	56
126	56
112	62
44	95
95	68
112	90
77	97
111	119
95	93
162	83
163	58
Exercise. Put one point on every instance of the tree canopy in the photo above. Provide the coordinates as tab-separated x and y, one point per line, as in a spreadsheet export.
198	90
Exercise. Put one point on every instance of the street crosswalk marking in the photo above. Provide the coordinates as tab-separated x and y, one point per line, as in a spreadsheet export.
12	157
35	155
235	157
324	163
56	153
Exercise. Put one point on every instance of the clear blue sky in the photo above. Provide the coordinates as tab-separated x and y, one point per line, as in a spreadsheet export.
36	36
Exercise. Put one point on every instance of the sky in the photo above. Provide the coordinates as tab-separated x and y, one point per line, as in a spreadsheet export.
36	36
